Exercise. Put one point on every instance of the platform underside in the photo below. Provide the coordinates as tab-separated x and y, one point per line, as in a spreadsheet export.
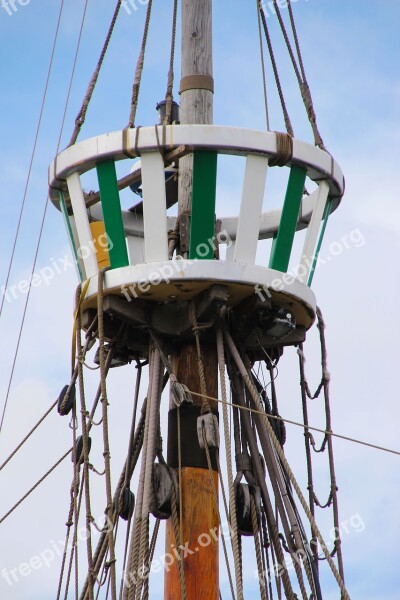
158	295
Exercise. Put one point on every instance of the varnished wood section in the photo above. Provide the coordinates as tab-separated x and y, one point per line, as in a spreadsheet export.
185	366
200	515
200	533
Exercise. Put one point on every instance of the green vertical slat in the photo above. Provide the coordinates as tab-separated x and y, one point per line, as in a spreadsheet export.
321	236
283	240
71	236
202	222
112	214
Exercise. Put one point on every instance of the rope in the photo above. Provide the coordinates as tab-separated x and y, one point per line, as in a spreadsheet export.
306	93
310	478
43	219
139	67
154	402
152	548
257	547
28	435
76	508
232	503
286	117
280	487
85	439
132	461
126	547
334	488
178	542
133	423
28	177
259	471
174	234
205	408
265	555
279	418
74	492
106	453
169	94
28	493
180	473
284	150
254	393
299	71
215	497
73	563
80	119
263	66
133	559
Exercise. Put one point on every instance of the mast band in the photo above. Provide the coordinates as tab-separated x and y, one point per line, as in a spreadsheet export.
197	82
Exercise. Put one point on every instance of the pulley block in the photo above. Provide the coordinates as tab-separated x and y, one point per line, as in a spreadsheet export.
243	507
208	423
66	400
163	489
78	455
124	503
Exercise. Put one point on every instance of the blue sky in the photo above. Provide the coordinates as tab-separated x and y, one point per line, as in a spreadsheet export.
350	53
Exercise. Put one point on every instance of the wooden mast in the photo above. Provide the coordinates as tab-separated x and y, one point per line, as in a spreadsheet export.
199	511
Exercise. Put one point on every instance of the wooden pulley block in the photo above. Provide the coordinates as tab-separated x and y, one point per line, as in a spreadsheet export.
243	507
124	503
78	456
163	488
66	400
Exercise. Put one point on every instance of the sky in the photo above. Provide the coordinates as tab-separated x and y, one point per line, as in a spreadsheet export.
350	52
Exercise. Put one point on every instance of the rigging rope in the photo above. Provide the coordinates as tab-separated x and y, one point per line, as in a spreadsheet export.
263	66
85	439
28	435
259	472
73	509
28	493
139	67
298	424
205	407
286	117
300	72
106	453
80	119
254	393
43	219
334	488
169	93
215	497
46	87
257	545
232	502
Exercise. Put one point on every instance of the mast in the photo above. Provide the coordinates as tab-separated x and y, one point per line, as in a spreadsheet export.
199	510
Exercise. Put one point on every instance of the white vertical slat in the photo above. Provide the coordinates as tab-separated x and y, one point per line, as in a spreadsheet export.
135	249
250	209
230	251
310	242
79	265
154	207
86	246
